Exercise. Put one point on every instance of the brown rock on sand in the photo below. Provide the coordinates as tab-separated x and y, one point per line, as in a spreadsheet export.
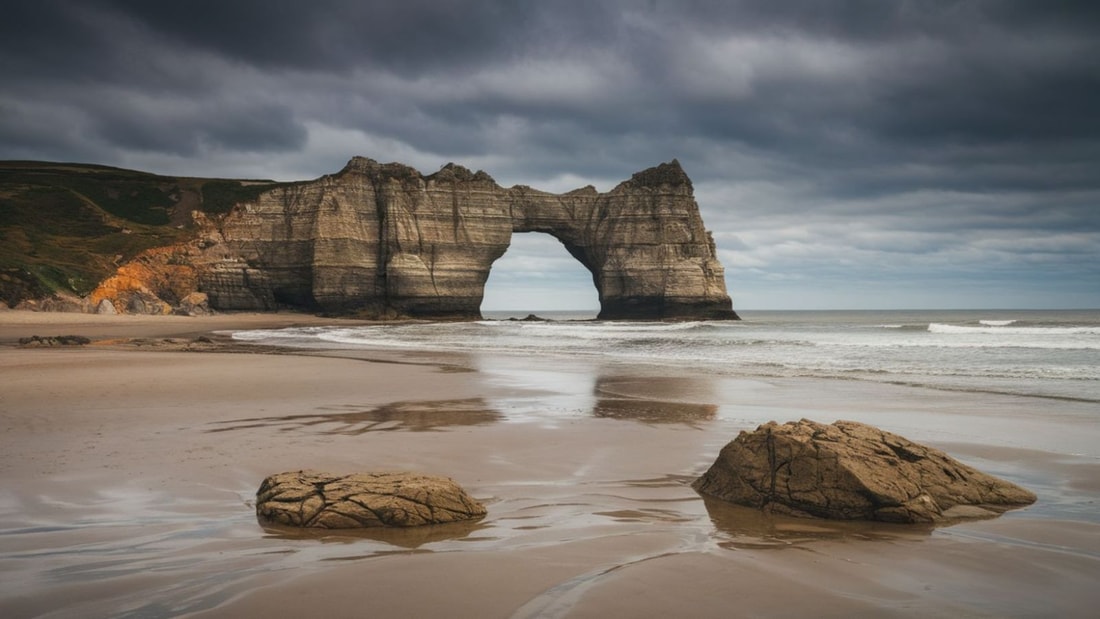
326	501
852	471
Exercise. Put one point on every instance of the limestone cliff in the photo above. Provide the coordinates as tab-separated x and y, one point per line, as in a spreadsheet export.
384	240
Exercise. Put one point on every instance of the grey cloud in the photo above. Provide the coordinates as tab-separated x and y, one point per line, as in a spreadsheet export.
188	131
924	127
884	98
413	36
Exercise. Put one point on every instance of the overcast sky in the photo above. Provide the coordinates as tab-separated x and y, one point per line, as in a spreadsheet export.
861	154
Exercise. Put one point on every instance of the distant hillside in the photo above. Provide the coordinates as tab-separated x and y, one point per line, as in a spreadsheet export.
64	227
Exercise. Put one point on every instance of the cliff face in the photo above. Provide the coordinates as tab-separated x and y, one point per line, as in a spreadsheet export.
383	240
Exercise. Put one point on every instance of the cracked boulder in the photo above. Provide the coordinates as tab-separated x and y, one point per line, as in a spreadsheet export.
360	500
852	471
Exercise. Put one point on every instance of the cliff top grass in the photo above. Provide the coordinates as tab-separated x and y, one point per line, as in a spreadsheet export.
64	227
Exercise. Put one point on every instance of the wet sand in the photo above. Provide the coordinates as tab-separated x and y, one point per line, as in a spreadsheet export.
129	470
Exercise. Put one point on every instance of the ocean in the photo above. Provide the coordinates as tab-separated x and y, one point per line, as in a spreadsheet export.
1039	353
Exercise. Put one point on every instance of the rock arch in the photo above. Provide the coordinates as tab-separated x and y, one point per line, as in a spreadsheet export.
538	274
644	243
384	240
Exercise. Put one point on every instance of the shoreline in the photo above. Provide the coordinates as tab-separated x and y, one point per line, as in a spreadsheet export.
129	471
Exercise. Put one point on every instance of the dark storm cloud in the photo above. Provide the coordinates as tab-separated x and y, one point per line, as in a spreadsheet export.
186	131
412	35
818	133
822	82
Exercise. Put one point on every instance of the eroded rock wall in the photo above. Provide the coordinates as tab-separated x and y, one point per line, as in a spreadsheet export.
384	240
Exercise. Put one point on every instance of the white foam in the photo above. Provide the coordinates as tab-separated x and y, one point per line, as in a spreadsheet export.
936	327
967	352
996	323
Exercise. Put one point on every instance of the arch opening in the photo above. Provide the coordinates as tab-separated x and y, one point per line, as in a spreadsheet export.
537	275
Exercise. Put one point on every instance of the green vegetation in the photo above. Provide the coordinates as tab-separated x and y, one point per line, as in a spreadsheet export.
220	196
66	227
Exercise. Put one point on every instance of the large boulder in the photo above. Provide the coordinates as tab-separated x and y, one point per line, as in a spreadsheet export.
106	308
194	304
852	471
326	501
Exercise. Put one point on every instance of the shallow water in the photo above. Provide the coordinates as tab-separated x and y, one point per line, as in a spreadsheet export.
132	553
1039	353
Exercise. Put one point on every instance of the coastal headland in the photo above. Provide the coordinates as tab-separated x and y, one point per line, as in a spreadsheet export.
130	465
374	240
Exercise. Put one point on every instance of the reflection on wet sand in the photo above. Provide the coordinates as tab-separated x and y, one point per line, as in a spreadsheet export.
652	411
409	538
413	416
654	400
739	527
657	400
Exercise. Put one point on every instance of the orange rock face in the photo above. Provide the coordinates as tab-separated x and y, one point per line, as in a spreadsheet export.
153	283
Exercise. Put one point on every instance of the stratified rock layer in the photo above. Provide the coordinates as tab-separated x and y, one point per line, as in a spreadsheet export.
852	471
383	240
326	501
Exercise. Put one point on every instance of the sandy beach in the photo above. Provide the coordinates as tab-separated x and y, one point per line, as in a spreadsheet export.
130	465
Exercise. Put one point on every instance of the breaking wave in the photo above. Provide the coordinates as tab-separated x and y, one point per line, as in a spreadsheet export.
1032	354
1007	330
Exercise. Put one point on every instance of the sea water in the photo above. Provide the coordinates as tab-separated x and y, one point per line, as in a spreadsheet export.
1050	354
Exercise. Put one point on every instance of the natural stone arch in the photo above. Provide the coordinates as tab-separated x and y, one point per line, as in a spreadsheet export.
508	287
383	240
644	243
